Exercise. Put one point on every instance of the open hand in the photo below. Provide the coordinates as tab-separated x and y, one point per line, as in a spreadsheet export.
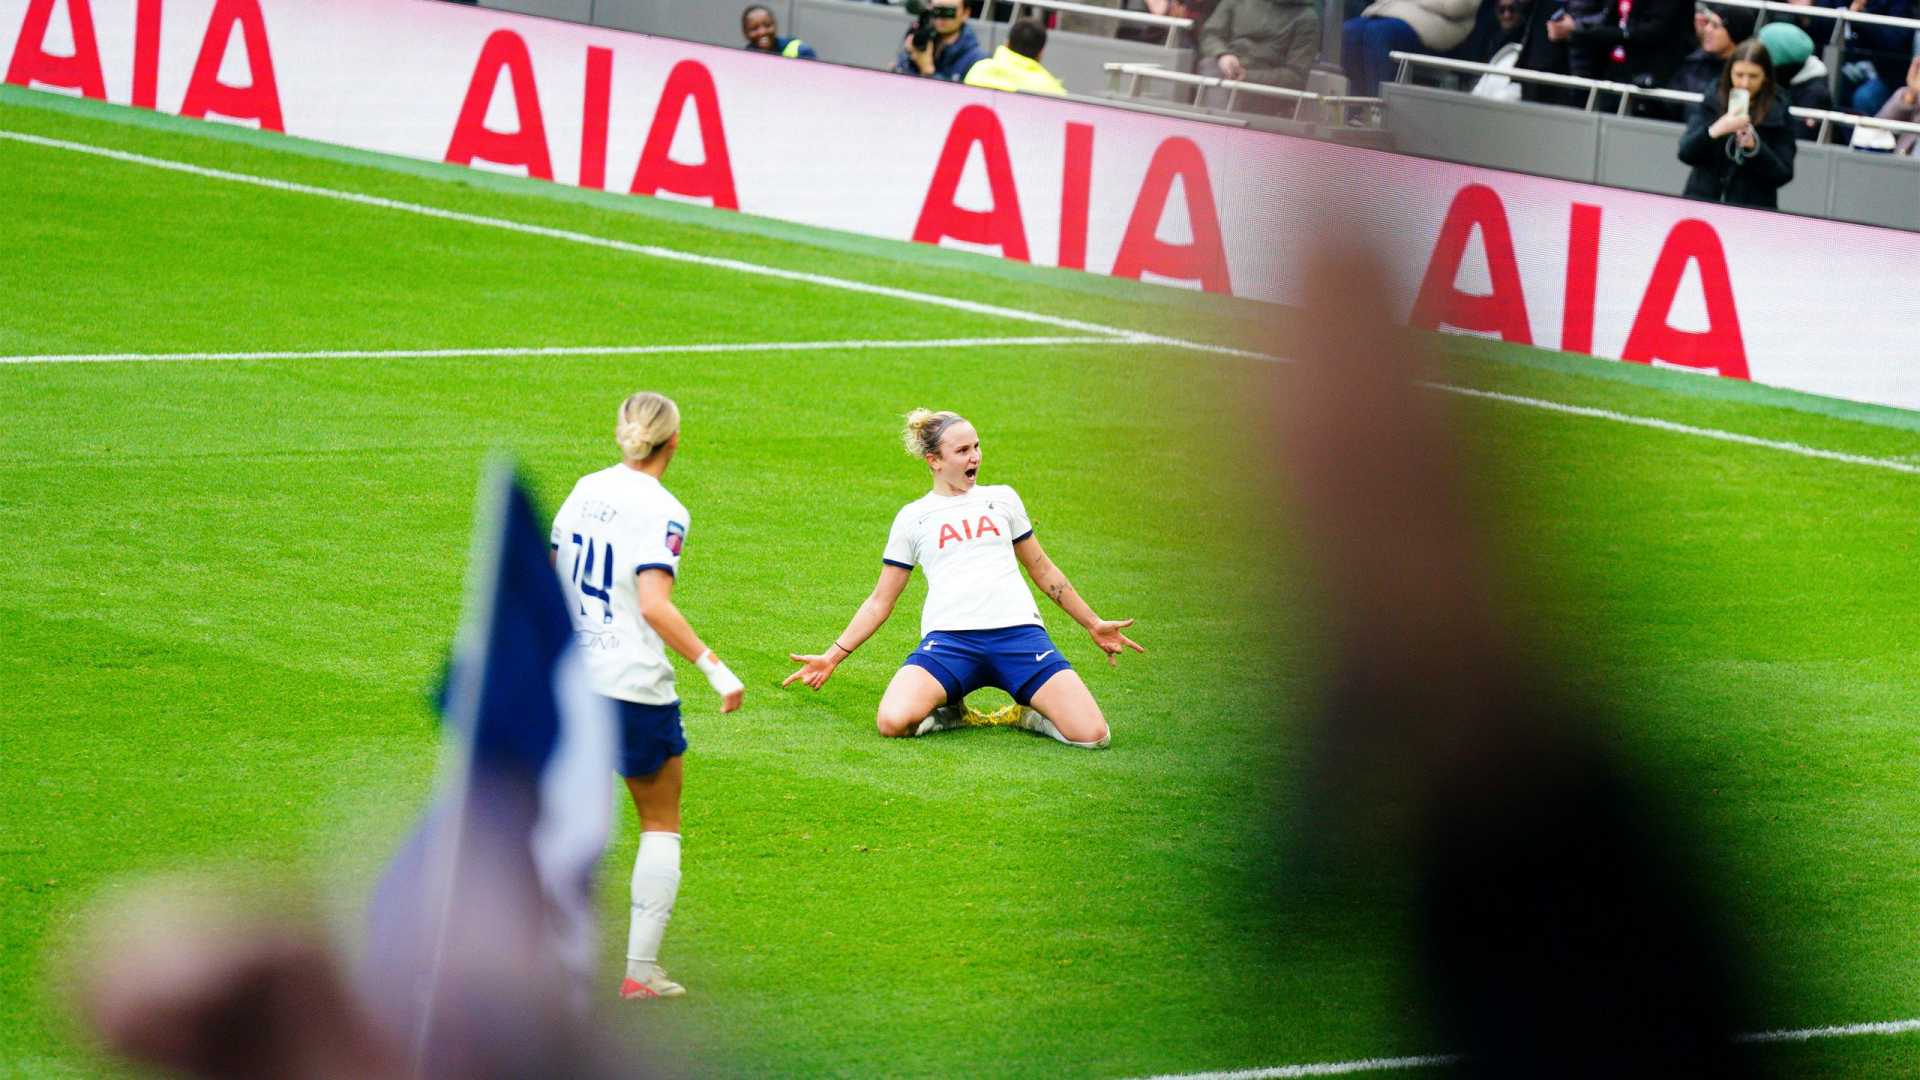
814	670
1106	634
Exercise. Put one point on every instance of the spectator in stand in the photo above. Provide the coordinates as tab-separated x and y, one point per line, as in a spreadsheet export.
950	53
1016	65
1718	28
1819	29
763	35
1904	105
1801	73
1584	55
1875	62
1387	26
1644	47
1263	41
1502	47
1741	153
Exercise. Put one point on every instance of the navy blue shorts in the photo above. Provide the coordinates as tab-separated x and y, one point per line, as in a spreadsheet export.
1017	659
649	735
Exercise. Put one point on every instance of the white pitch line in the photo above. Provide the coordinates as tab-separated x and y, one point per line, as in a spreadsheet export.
1111	333
1330	1068
571	350
1885	1027
1432	1061
1889	464
648	250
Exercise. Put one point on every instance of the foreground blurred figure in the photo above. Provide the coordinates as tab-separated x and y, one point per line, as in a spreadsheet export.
1560	931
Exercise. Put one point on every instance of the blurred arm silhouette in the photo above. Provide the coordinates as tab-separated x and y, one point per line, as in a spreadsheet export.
1560	929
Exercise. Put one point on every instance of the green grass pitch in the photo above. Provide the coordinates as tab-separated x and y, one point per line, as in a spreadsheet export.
230	583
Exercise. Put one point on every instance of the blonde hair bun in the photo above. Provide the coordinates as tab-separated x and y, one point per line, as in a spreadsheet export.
644	424
924	428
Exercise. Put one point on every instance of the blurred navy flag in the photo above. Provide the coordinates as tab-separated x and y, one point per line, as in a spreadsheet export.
481	932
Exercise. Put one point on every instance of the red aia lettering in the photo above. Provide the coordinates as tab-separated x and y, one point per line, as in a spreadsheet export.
32	63
472	139
260	98
1205	259
1719	347
998	226
713	177
1076	196
967	531
1442	304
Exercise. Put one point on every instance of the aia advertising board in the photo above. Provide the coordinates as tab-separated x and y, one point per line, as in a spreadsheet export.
1793	302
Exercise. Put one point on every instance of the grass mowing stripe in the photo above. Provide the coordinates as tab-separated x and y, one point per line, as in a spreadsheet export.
575	350
1342	1068
649	250
1681	429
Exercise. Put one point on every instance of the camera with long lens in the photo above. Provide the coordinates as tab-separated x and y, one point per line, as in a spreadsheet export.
923	14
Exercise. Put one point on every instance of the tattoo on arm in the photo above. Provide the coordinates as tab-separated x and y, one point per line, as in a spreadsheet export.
1057	590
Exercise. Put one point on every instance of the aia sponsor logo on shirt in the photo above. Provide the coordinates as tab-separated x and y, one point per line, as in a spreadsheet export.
676	537
967	530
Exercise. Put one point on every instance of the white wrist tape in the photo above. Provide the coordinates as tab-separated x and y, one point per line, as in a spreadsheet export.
724	682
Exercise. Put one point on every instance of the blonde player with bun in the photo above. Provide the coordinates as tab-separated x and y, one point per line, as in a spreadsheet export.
980	626
617	541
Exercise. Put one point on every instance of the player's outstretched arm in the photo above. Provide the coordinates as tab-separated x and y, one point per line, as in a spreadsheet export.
1106	633
815	670
657	607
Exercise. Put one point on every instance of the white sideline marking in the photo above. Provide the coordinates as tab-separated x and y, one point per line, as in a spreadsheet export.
572	350
1106	333
1885	1027
1341	1068
1331	1068
1684	429
649	250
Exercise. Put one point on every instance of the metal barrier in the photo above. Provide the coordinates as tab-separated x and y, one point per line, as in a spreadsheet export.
1333	109
1627	91
1138	18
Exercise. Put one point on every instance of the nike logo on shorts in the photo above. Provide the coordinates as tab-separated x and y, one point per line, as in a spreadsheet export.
1039	656
928	647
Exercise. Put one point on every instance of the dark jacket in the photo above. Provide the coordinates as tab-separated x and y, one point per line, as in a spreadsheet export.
1717	177
949	63
1888	48
1658	35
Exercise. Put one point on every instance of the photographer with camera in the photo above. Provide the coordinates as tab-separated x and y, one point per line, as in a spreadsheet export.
941	44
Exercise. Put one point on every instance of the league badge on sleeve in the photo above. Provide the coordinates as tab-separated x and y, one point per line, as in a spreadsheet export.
676	537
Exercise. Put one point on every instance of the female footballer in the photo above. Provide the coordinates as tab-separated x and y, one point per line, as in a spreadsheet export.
980	626
618	537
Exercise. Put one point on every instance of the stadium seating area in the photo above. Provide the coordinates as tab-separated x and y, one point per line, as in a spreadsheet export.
1507	96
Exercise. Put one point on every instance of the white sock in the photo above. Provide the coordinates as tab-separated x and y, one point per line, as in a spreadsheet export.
1040	723
656	881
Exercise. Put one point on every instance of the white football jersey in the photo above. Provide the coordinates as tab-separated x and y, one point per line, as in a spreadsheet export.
616	523
966	544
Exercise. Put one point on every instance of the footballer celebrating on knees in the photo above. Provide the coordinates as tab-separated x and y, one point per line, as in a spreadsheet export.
980	626
617	540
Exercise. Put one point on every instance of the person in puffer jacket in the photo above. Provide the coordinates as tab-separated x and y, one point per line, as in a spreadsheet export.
1385	26
1800	73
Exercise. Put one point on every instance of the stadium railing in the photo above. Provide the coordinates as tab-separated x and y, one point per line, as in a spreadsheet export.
1170	23
1331	110
1614	148
869	35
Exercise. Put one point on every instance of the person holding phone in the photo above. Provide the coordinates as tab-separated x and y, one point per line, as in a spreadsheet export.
1738	138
